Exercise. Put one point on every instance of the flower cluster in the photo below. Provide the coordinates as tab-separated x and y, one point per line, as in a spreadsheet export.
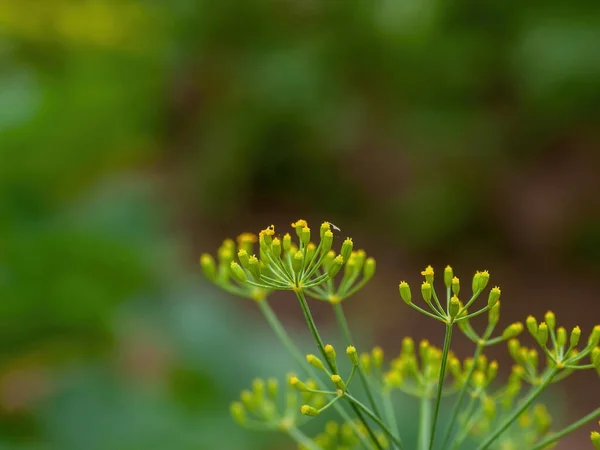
284	263
485	412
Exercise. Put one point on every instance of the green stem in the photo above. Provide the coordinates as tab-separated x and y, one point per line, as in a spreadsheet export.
289	345
376	419
302	439
424	422
559	434
313	329
438	397
315	332
341	317
427	313
533	394
461	396
388	409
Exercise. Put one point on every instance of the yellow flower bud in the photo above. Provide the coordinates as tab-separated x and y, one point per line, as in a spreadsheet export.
287	242
225	254
207	263
426	291
424	349
575	335
475	282
347	246
408	346
492	371
331	356
550	319
325	227
454	306
595	437
298	225
365	362
532	326
454	367
542	334
561	336
494	314
514	347
484	277
297	261
245	241
478	380
448	275
532	357
276	249
299	385
352	355
315	362
428	274
267	235
254	267
338	382
369	268
336	266
258	386
238	412
377	355
308	410
494	296
455	286
249	400
393	379
238	272
404	289
326	241
513	330
305	235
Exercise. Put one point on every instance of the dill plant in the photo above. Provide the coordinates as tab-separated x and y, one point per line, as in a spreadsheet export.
491	414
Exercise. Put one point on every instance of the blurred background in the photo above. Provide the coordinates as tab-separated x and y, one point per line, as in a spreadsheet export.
135	135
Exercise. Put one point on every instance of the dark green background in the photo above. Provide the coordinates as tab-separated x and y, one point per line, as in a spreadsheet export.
136	134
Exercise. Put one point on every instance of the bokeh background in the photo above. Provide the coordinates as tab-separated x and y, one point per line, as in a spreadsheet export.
135	135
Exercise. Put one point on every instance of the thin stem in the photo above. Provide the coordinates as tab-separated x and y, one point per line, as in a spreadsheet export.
341	317
319	342
375	418
289	345
461	396
427	313
388	409
438	398
475	314
559	434
470	302
351	376
533	394
313	329
302	439
437	301
424	422
332	402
